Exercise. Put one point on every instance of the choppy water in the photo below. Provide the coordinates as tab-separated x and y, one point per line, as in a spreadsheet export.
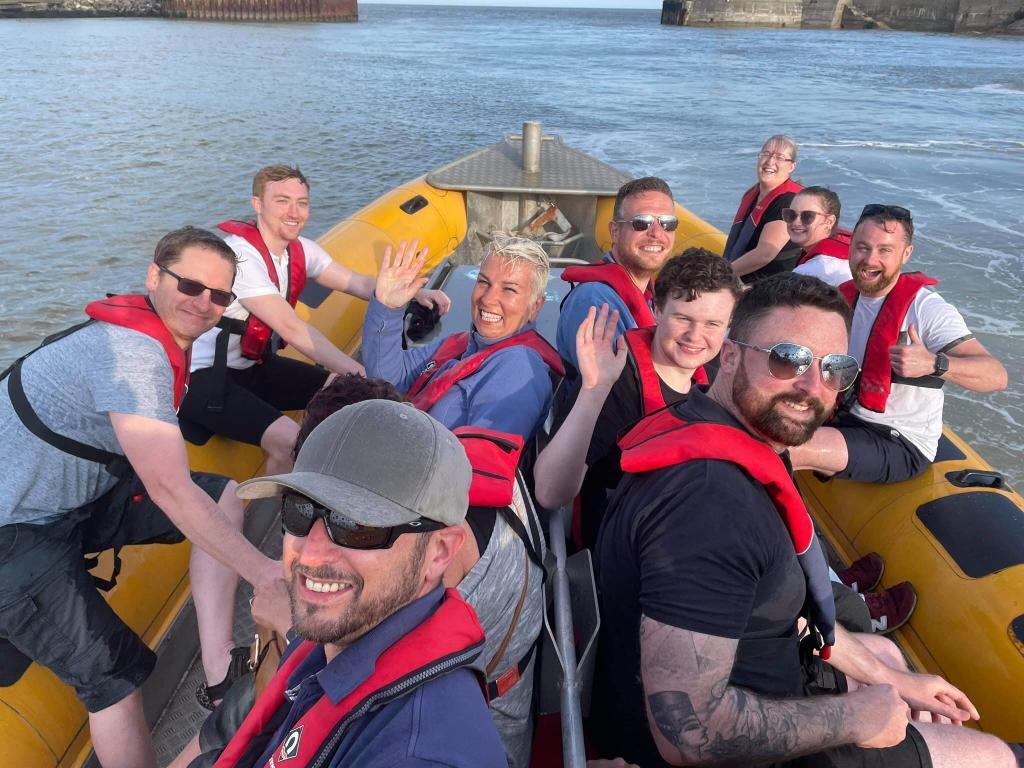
114	131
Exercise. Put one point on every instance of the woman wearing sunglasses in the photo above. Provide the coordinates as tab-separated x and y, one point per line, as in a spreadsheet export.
496	374
813	223
694	297
758	240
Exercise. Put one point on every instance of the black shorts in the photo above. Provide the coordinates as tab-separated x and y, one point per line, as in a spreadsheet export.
820	679
877	454
252	398
50	609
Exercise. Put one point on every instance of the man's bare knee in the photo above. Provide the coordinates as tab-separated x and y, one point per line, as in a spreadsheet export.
884	649
279	438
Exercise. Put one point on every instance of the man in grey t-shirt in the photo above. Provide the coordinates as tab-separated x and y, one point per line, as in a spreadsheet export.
93	459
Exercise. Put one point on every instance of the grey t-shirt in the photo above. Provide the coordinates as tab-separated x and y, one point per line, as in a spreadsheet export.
73	385
493	587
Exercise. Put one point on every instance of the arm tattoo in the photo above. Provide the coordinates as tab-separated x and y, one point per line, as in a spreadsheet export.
709	721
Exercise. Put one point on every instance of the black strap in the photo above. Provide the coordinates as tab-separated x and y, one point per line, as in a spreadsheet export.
228	326
115	463
494	687
513	522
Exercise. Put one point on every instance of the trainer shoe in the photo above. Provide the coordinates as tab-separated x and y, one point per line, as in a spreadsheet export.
890	609
864	574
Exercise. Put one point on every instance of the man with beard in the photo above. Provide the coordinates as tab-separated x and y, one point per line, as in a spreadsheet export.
909	342
642	229
379	673
702	581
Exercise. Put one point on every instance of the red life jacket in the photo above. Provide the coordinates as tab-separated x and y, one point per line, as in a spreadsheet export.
837	246
748	216
638	341
257	333
449	639
664	440
428	389
135	312
876	374
494	457
616	278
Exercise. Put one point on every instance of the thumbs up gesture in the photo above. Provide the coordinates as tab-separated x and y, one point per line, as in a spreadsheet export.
913	359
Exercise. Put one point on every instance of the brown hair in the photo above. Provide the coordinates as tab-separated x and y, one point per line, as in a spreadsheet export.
693	272
344	390
275	173
168	249
785	290
829	201
638	187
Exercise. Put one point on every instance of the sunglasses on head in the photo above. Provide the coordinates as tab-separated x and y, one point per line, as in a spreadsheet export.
889	211
194	288
806	217
787	361
642	222
299	513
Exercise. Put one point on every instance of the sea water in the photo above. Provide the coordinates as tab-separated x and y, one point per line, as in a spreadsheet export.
114	131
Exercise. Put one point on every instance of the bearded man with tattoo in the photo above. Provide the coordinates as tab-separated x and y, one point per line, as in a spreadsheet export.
702	589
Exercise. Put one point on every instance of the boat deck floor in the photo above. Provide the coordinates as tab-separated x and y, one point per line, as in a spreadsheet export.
183	715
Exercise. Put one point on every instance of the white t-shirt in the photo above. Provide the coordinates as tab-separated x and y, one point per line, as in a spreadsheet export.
916	412
831	270
253	280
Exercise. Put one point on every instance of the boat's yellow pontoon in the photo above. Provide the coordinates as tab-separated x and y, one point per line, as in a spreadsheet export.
957	532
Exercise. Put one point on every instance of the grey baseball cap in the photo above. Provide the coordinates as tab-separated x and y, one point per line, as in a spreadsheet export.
379	463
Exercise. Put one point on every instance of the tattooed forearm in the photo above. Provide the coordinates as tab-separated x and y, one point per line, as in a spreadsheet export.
707	721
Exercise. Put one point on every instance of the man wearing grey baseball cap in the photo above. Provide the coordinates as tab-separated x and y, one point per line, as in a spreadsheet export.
380	676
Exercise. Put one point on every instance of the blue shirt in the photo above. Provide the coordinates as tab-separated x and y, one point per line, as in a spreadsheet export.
575	308
444	722
510	392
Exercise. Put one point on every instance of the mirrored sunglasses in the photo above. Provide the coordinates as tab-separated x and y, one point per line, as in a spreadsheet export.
642	222
299	513
194	288
806	217
787	361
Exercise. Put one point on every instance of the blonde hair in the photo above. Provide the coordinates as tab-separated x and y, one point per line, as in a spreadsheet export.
783	139
512	250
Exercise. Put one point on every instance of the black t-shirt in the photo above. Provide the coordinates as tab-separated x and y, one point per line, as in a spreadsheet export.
788	256
698	546
622	409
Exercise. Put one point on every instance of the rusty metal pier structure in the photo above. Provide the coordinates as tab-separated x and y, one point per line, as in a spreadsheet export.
264	10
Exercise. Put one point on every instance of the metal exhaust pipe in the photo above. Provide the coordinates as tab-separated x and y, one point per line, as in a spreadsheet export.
532	132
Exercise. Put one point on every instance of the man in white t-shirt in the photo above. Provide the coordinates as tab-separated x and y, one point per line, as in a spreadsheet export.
239	387
909	342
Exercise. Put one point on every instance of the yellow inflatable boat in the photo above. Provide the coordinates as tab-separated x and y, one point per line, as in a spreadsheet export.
957	532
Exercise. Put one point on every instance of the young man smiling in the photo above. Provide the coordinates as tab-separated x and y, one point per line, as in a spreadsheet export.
239	386
379	675
909	342
642	229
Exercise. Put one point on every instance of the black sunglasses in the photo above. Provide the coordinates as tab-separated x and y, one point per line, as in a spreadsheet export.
642	222
299	513
897	212
194	288
787	361
806	217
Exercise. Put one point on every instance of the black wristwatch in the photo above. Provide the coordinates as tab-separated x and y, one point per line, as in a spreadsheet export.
941	364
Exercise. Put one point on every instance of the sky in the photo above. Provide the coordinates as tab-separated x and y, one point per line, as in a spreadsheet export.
532	3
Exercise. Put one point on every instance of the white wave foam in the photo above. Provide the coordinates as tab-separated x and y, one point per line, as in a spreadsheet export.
999	145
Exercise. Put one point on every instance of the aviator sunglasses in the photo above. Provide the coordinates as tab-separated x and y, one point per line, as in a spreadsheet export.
787	361
806	217
194	288
299	513
642	222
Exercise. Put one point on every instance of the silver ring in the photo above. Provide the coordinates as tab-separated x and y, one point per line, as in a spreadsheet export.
251	599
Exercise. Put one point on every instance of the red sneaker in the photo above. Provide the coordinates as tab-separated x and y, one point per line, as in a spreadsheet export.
890	609
864	575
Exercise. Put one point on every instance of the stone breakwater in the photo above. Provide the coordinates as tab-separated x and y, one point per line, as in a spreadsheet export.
219	10
982	16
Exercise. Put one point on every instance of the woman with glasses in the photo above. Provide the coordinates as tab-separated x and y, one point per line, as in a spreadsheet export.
758	240
813	223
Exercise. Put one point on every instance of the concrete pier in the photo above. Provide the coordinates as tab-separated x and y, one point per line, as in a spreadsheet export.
212	10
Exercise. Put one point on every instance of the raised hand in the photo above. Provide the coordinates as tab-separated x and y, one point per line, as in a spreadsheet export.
600	365
912	360
399	282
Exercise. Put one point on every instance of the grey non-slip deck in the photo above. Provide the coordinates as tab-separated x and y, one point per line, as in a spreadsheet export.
563	171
